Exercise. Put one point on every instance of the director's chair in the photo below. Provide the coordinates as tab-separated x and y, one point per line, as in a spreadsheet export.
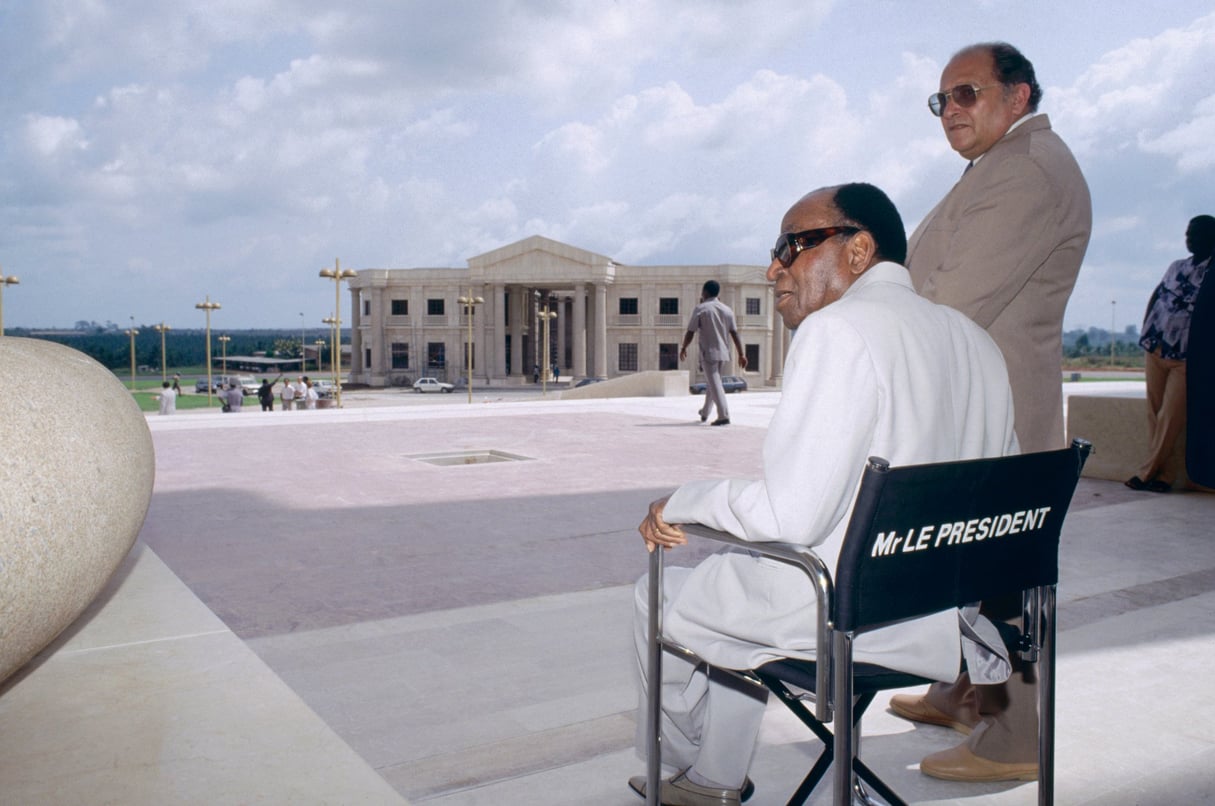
1003	518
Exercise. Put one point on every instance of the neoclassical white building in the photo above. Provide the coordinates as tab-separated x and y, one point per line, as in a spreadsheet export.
610	319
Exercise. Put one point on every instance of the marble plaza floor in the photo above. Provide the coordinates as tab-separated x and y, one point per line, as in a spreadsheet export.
315	615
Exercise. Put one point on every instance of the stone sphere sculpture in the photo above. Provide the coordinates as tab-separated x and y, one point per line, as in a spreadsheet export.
76	471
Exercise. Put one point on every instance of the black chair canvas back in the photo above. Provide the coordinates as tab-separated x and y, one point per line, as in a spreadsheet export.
925	538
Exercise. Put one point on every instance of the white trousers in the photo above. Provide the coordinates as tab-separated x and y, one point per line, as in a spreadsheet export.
710	719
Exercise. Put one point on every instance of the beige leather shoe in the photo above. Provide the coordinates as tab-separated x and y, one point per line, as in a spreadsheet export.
679	791
917	708
960	764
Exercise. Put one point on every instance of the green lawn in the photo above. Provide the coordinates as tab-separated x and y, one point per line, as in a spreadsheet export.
148	386
145	396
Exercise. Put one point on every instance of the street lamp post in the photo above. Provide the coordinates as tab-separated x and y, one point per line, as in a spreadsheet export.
320	351
162	329
208	306
1113	314
10	280
545	316
132	333
303	368
338	274
470	302
333	340
223	347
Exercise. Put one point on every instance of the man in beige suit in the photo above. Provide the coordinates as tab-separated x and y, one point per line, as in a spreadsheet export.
1003	247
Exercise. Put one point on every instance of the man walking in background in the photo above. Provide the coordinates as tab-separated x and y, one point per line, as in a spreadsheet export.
1003	247
712	319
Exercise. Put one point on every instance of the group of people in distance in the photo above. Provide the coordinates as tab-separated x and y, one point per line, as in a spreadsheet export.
944	346
298	394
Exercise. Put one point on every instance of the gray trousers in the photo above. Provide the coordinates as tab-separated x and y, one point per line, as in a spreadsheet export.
710	719
715	394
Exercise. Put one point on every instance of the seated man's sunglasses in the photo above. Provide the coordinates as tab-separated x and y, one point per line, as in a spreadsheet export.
792	244
964	95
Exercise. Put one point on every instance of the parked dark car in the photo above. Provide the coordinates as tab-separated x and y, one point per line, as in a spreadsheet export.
731	383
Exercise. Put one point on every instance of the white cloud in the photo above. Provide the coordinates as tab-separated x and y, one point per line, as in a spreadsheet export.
1191	143
51	135
1151	94
234	143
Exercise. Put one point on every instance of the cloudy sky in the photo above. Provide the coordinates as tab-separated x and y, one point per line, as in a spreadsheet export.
154	153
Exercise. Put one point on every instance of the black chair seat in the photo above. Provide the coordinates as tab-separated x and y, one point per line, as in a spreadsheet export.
867	677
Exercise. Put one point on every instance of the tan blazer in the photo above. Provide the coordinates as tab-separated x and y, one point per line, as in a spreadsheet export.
1004	247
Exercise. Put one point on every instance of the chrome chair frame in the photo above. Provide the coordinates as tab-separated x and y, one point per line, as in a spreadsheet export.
840	622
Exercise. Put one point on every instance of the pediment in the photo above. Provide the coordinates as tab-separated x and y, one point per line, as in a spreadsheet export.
539	259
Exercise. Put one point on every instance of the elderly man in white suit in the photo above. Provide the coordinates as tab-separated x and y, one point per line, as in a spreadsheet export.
872	369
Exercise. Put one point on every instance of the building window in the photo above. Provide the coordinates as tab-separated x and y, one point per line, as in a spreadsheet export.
436	354
366	307
752	356
752	306
400	307
668	356
628	357
400	355
628	306
668	305
434	307
367	358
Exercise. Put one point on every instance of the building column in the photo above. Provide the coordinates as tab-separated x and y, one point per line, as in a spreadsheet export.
498	311
482	352
601	362
579	333
536	330
376	372
778	345
560	323
363	373
518	310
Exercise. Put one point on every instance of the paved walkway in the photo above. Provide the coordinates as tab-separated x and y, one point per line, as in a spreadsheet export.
313	614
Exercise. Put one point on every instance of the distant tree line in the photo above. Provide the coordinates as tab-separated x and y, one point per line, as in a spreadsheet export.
1096	342
111	346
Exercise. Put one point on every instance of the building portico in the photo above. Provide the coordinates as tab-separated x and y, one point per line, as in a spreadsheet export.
610	319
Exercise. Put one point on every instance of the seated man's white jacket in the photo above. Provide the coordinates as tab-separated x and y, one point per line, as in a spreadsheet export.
880	372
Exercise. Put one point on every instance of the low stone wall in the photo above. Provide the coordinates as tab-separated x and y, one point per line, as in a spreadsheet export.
652	383
1117	427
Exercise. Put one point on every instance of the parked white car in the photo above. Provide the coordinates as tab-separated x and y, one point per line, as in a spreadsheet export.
431	385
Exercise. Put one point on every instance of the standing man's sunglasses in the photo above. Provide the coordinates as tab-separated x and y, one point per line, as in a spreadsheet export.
964	95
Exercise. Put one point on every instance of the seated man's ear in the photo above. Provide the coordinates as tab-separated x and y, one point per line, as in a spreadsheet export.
861	252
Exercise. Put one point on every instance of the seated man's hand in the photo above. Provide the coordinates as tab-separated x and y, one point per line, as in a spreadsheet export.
657	532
